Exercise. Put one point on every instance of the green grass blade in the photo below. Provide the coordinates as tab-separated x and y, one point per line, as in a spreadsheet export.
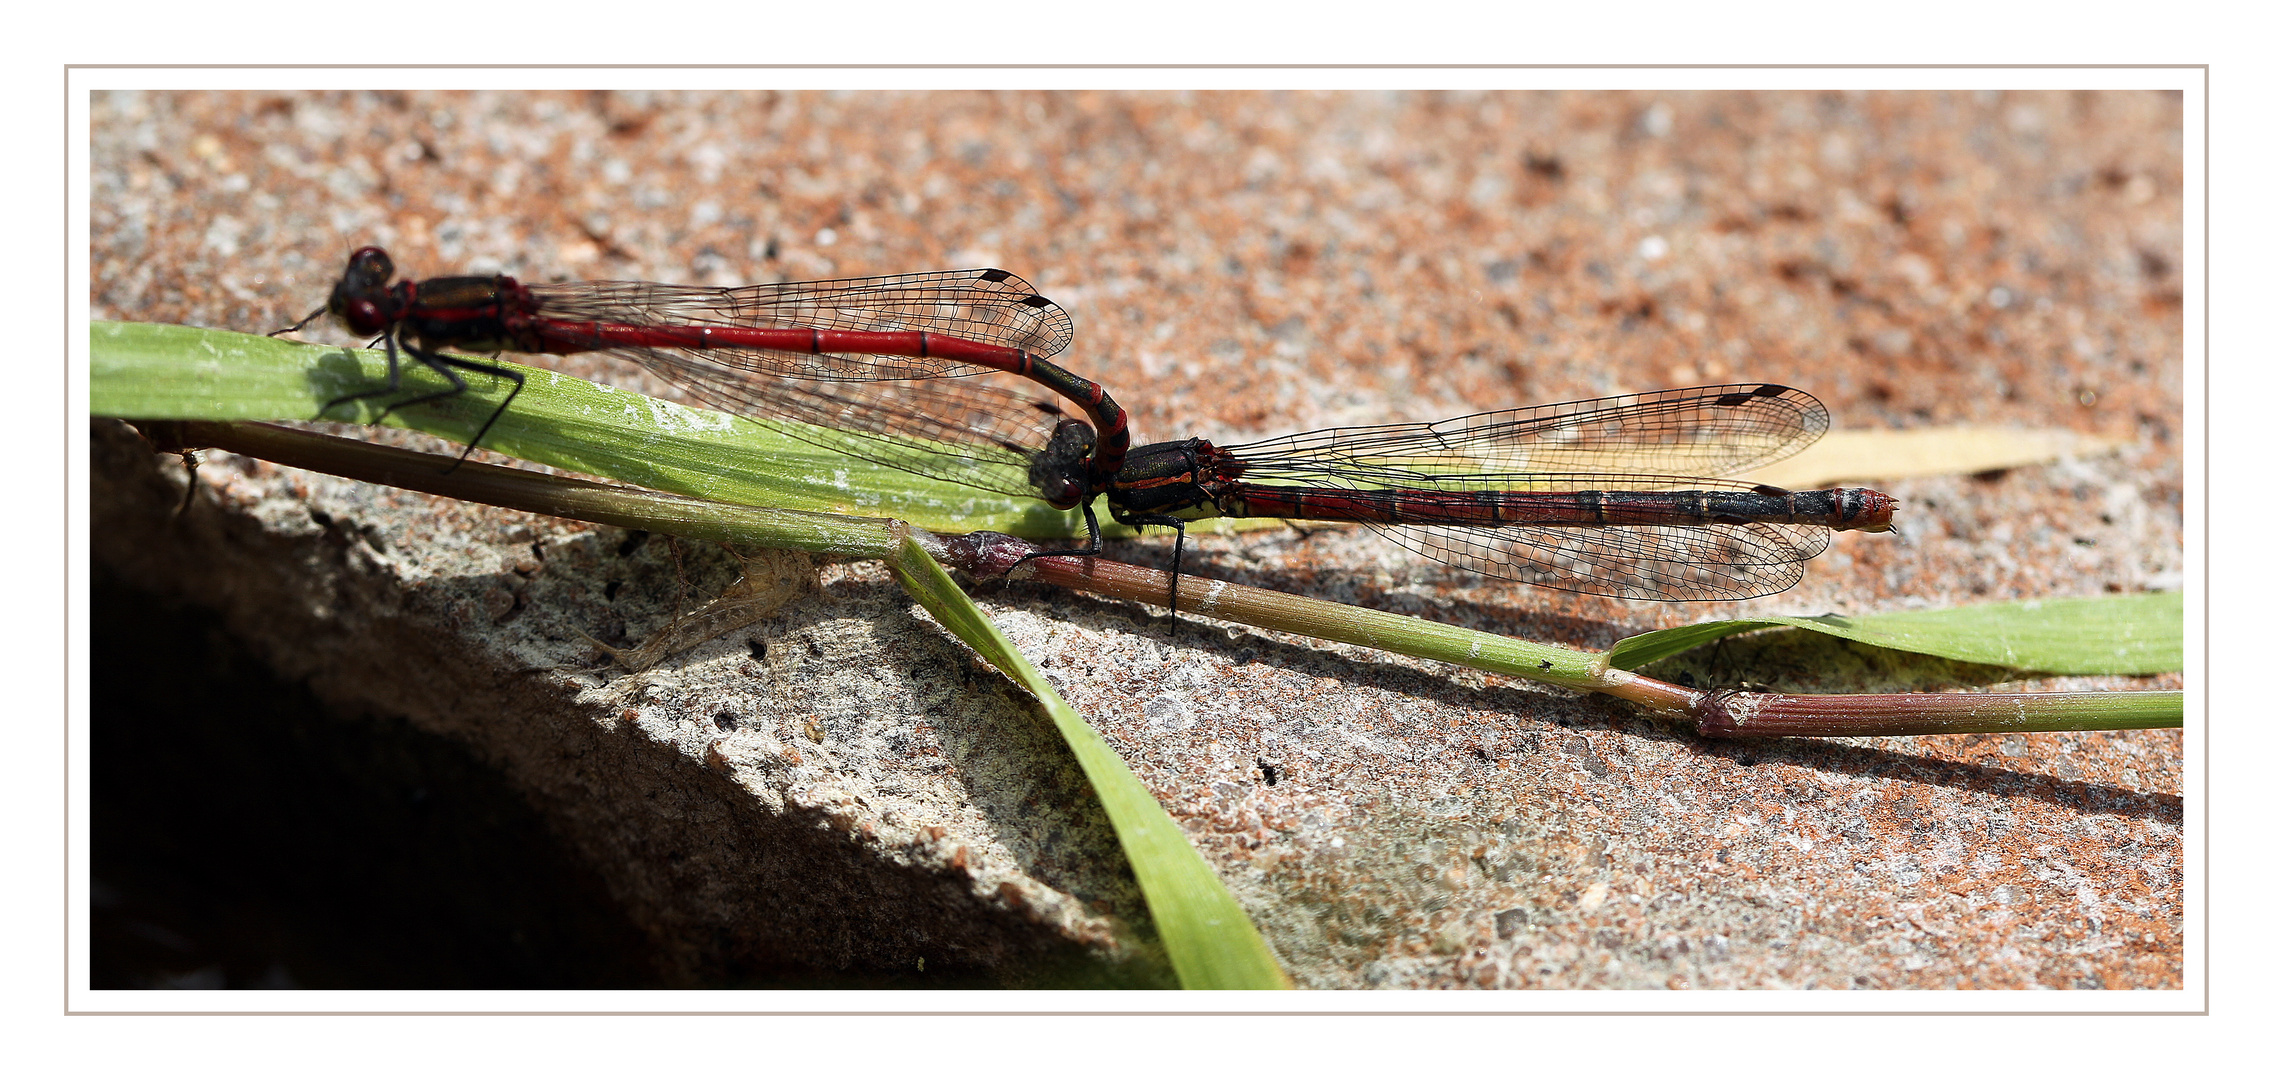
1208	937
156	372
2137	634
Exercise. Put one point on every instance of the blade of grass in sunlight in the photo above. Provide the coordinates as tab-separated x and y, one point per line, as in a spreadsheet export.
1208	937
2138	634
155	372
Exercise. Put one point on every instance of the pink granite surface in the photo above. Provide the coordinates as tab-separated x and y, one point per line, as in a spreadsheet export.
1246	264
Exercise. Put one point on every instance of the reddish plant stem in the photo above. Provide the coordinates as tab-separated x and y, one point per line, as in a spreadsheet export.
1732	714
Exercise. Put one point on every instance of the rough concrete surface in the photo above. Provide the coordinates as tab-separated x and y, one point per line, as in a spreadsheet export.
865	795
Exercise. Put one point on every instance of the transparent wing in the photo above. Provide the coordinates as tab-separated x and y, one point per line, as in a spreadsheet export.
992	307
942	418
1663	441
1719	562
1648	441
974	430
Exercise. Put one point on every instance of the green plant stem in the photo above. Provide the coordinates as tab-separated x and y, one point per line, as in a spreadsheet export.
1719	714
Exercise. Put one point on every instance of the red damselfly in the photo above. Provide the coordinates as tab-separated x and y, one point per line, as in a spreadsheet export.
882	364
1609	496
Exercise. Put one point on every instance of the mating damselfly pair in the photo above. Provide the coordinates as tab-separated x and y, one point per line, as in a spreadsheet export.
1609	496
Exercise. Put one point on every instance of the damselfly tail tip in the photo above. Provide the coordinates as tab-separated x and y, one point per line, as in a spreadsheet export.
1866	510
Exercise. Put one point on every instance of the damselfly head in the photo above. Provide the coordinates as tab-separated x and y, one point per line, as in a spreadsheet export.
1060	471
371	264
361	300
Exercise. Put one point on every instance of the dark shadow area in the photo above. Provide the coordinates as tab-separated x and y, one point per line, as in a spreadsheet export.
1530	615
243	839
245	835
2006	783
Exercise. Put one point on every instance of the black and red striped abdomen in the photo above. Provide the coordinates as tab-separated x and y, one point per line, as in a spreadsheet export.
1838	508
